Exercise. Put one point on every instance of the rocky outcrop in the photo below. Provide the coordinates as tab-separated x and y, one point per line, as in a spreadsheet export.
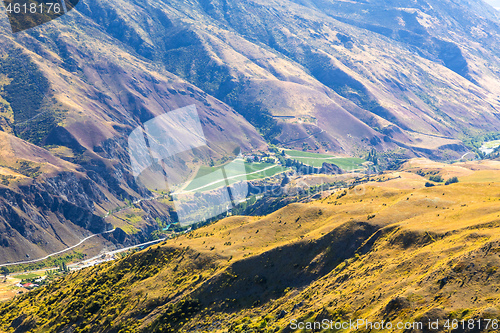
47	216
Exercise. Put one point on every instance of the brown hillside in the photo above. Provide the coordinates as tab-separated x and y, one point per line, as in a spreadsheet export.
380	251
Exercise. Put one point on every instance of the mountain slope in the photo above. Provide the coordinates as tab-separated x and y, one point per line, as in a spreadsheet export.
298	74
426	73
79	110
408	253
432	76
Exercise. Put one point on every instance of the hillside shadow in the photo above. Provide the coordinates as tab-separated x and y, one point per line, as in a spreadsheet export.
258	279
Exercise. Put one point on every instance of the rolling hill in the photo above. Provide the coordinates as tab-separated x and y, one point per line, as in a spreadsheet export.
390	250
338	76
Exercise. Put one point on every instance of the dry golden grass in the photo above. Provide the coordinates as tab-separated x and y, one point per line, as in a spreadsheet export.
424	233
346	256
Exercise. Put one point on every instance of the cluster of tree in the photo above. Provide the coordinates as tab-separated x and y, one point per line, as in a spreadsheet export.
50	262
63	267
495	154
394	161
276	150
436	179
298	166
372	157
4	271
475	142
452	180
242	207
161	223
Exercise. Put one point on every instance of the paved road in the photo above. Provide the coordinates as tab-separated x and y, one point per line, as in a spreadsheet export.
110	231
88	262
56	253
467	154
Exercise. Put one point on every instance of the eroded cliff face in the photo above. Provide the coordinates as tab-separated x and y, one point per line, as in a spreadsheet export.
48	214
39	217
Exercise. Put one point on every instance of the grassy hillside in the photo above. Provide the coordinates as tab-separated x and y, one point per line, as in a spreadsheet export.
392	250
310	75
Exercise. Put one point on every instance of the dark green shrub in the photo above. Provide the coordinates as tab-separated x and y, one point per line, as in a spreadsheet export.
436	179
